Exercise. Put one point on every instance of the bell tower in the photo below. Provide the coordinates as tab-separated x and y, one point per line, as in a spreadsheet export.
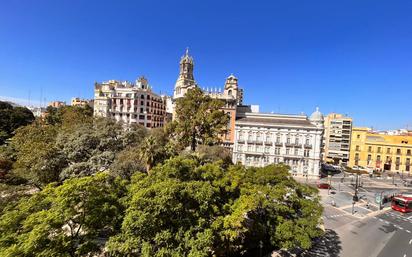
186	80
232	89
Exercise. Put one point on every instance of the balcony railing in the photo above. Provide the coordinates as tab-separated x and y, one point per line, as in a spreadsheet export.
308	146
278	143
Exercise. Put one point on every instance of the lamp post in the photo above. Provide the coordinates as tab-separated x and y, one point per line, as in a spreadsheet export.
355	196
380	201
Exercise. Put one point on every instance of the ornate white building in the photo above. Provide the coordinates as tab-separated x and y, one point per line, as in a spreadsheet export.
129	103
262	139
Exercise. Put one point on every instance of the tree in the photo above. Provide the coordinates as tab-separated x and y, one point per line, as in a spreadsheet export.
12	118
149	152
185	208
73	219
37	158
199	119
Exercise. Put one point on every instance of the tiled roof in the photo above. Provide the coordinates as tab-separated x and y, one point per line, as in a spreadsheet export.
276	121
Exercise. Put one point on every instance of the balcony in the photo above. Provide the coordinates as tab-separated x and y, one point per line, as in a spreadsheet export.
289	144
307	146
278	143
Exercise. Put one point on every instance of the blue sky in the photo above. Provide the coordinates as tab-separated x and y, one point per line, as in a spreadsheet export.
352	57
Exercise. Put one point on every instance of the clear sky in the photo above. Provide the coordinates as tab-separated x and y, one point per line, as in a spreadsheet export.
352	56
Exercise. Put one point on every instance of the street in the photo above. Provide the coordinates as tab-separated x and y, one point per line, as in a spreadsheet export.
361	229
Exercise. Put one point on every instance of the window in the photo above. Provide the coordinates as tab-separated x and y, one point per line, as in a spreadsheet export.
307	141
249	148
296	141
379	149
369	158
408	152
296	151
378	158
288	140
277	150
388	150
398	151
267	149
277	139
306	153
356	159
358	136
258	137
287	151
357	148
370	149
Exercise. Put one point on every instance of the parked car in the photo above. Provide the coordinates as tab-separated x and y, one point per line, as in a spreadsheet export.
324	186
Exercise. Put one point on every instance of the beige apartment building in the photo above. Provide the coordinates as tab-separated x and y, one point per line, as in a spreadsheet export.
337	138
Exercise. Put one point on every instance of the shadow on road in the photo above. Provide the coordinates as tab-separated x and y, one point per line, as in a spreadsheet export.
329	246
387	228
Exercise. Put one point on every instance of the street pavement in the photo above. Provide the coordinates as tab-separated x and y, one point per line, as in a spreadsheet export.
362	229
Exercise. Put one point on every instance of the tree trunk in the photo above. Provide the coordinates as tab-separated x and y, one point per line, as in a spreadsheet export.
193	145
148	168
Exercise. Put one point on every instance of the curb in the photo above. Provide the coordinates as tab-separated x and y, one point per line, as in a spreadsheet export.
372	214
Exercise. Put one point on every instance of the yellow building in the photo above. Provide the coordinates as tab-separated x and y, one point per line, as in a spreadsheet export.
380	151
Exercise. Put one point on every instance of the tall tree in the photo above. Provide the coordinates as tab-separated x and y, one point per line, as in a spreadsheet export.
149	151
199	119
37	158
12	118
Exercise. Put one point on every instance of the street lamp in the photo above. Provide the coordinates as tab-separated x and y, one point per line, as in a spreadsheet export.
355	196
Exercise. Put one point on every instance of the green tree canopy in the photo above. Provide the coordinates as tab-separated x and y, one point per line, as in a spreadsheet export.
187	209
74	219
199	119
12	118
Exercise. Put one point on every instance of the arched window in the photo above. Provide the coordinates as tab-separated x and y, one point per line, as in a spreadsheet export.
229	92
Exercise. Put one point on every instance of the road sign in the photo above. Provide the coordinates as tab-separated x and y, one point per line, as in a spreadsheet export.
378	198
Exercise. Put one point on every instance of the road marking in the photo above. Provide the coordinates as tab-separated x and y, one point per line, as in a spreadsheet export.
410	241
404	255
386	222
408	231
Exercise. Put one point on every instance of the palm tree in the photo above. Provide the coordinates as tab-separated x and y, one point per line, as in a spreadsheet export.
148	152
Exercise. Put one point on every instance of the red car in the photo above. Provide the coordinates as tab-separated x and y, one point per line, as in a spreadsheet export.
324	186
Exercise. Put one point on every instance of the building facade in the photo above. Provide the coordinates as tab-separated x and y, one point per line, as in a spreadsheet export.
231	94
81	102
381	152
57	104
263	139
129	103
337	138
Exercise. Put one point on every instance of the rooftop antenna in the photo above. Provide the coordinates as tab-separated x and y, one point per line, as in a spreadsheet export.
41	96
29	97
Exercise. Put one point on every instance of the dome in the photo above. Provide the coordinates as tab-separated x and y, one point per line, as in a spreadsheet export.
316	115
